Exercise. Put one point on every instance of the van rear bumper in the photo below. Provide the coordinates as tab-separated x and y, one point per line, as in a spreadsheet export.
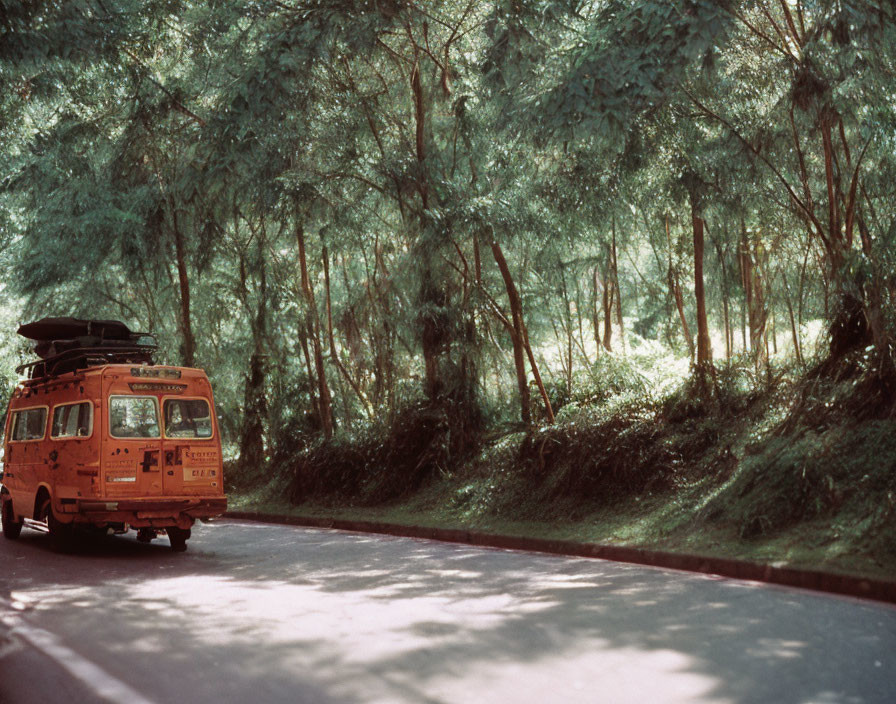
151	512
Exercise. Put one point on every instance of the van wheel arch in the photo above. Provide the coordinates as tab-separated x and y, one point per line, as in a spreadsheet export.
11	527
61	534
43	494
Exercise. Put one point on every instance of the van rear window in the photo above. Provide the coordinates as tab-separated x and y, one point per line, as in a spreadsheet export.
133	417
28	424
72	420
187	418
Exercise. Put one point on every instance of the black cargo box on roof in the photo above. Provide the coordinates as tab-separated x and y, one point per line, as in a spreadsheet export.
69	328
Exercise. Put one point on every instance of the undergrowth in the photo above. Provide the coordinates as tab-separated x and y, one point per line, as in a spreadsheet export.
387	461
751	454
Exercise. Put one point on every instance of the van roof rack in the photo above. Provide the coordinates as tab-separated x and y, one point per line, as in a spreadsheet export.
70	344
77	359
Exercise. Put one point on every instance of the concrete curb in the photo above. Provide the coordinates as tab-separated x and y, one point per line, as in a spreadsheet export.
847	585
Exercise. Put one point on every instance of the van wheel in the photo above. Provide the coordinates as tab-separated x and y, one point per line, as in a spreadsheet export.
11	527
178	538
61	534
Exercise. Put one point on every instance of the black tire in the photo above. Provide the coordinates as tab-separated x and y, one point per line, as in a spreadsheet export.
61	534
178	538
11	527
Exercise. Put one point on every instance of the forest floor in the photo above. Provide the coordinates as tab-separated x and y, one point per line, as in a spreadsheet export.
798	473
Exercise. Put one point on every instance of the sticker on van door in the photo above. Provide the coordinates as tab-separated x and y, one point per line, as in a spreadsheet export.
121	476
200	464
121	470
191	474
200	458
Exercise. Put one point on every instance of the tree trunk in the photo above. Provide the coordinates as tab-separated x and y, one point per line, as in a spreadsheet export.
797	351
704	349
835	240
254	411
477	259
516	335
569	363
435	335
675	291
609	293
580	322
802	285
618	290
753	288
419	129
521	340
334	356
729	340
309	368
538	382
568	332
774	335
595	311
876	316
188	341
323	390
255	405
434	297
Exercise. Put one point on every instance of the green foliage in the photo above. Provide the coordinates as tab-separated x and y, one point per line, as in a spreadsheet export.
807	475
629	60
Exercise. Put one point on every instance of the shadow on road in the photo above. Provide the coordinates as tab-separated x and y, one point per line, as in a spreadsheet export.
328	616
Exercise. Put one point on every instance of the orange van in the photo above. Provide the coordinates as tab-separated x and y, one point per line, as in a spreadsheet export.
99	436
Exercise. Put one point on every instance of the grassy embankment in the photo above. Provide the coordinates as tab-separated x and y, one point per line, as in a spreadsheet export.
793	469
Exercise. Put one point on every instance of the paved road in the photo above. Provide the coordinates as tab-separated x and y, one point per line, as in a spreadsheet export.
260	614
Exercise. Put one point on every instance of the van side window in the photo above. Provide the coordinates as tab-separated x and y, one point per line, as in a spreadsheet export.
133	417
72	420
28	424
187	418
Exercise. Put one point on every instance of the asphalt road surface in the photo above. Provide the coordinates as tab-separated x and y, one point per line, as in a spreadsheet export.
256	613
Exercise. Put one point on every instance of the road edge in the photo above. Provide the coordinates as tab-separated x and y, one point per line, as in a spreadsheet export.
814	580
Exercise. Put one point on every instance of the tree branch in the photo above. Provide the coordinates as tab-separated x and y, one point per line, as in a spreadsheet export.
179	106
796	199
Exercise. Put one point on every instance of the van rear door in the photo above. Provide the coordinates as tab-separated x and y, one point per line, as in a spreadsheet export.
132	451
191	450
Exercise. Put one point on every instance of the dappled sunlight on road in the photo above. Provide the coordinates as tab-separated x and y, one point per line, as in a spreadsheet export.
262	613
